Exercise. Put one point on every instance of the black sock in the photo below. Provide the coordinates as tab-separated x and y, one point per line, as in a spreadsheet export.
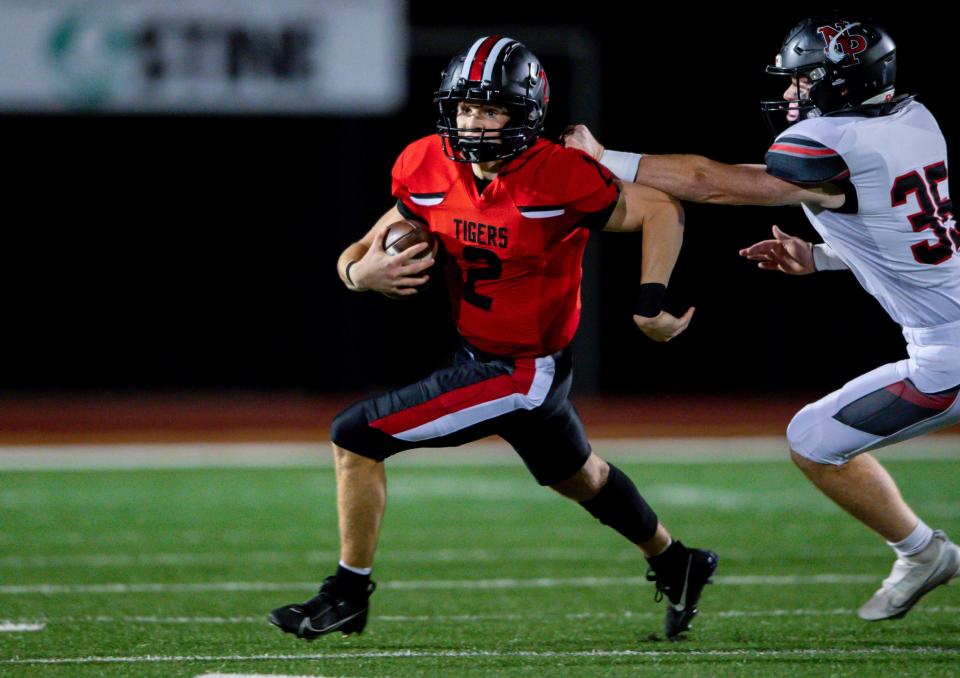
619	505
672	560
351	582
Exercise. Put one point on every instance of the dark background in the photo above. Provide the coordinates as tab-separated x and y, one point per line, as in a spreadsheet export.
146	253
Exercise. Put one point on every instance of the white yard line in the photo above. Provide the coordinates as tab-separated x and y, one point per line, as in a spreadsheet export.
149	456
105	560
15	627
481	654
483	453
446	618
428	584
442	555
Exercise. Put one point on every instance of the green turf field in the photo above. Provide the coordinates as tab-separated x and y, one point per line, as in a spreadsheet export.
171	573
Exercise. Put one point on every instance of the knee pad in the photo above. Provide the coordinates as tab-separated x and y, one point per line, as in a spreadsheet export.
343	431
801	433
351	431
817	437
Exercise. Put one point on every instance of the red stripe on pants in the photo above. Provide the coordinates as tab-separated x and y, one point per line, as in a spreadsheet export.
905	391
460	399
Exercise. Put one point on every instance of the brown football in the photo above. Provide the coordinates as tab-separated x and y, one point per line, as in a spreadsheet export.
404	234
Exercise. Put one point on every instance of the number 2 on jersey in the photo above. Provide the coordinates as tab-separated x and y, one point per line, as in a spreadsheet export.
492	271
934	212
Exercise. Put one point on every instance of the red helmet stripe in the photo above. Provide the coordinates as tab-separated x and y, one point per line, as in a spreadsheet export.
465	66
476	68
496	56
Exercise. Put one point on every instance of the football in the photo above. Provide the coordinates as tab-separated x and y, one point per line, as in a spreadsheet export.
403	234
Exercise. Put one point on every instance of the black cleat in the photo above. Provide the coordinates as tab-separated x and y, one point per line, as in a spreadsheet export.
682	587
330	610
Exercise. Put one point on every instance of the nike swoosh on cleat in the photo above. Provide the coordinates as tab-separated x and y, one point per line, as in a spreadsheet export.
682	605
306	625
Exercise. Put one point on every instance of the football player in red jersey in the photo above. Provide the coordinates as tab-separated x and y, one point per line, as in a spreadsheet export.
513	213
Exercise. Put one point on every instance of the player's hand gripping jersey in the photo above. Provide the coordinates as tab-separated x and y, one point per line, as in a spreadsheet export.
517	246
896	231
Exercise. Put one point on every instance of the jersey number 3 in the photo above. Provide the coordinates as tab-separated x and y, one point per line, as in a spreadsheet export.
935	212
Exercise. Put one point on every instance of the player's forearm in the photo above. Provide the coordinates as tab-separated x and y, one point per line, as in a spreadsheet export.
662	240
699	179
353	253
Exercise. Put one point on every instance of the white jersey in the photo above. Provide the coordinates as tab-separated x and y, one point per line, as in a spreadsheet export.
896	230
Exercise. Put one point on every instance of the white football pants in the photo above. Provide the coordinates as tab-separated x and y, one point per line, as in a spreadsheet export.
892	403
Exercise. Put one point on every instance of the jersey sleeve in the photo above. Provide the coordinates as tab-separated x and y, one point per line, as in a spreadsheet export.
801	159
400	188
407	213
420	179
590	191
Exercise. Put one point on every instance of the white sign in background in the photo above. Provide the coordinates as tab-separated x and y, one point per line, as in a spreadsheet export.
197	56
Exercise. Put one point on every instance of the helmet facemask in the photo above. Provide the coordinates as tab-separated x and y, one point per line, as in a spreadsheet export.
480	144
781	113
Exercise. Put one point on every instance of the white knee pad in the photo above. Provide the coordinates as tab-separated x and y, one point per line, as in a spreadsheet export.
806	433
799	433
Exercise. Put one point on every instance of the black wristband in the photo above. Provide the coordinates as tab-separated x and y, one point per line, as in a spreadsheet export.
346	274
650	301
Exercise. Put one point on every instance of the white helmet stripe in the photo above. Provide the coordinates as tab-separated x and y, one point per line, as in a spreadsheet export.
494	55
465	69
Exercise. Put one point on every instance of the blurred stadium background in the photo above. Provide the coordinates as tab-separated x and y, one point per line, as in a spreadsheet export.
180	179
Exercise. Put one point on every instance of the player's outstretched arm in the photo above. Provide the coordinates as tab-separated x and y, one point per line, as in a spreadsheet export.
785	253
792	255
700	179
661	219
365	264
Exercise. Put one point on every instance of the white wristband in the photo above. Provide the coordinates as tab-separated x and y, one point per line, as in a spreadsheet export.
624	165
825	259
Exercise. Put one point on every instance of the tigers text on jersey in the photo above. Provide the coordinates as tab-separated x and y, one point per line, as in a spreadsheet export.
896	231
517	245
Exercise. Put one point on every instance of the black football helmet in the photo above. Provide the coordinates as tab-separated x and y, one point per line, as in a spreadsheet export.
848	62
495	70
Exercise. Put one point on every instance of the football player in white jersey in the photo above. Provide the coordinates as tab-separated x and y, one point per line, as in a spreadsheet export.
869	170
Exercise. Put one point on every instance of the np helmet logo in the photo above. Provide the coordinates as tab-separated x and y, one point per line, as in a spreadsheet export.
842	42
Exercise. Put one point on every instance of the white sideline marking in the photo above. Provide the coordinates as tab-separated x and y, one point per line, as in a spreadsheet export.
11	627
426	584
91	560
149	456
626	614
258	675
449	555
718	450
476	654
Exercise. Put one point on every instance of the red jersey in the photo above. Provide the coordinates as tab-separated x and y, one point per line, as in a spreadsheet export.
517	246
